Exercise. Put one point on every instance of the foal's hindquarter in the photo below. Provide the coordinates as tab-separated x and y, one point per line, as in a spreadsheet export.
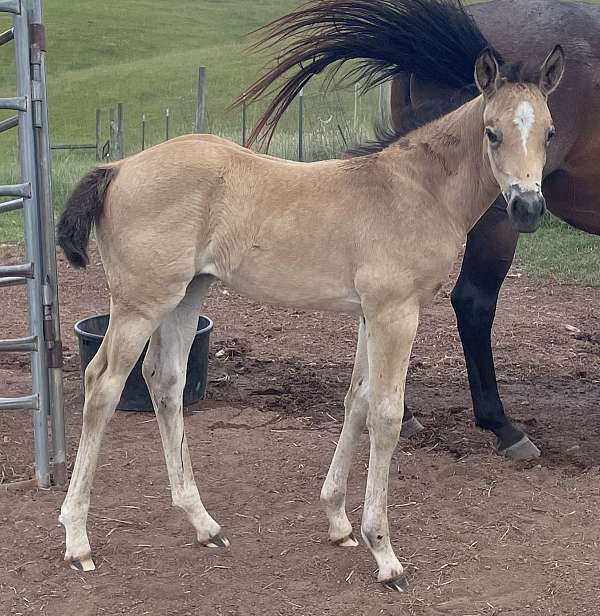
370	236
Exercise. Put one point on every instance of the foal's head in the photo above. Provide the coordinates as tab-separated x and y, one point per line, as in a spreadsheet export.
518	129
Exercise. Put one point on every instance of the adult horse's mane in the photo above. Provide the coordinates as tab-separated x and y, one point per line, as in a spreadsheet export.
436	40
412	117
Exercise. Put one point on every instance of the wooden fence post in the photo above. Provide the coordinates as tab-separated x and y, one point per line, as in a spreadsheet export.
143	131
385	96
120	131
112	146
98	135
200	124
301	125
356	100
244	121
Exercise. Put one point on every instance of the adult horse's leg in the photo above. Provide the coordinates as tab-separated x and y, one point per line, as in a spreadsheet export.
105	377
164	369
356	405
390	335
488	257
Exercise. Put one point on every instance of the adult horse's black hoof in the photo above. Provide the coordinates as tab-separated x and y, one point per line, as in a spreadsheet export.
399	584
521	451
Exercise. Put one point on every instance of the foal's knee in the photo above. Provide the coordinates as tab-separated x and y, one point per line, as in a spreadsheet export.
384	422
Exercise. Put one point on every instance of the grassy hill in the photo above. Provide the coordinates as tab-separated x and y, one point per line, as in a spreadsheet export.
146	53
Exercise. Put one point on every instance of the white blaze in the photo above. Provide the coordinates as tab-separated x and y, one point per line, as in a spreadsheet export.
524	121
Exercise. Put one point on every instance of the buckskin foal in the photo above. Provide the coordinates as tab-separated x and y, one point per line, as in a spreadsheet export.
374	236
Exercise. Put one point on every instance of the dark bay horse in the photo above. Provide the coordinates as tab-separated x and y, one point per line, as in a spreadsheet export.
518	29
570	186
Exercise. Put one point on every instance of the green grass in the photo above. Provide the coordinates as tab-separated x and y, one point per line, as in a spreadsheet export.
559	252
146	54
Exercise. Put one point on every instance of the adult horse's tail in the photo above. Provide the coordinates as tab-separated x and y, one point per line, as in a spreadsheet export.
83	208
434	39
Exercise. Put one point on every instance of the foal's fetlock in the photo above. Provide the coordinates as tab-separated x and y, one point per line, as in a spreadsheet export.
78	554
341	533
85	563
340	529
390	573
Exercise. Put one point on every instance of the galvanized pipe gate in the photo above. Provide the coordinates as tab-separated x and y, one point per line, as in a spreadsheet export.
38	273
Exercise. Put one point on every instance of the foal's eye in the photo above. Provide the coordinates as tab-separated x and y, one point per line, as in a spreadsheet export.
494	138
551	133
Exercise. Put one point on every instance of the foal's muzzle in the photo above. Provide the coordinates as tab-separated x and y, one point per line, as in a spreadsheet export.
525	209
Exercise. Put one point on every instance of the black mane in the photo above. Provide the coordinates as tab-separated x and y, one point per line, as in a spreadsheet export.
437	40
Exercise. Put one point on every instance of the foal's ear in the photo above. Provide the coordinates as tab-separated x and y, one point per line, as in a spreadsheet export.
486	72
552	70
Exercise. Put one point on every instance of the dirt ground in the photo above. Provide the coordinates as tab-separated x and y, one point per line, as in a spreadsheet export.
480	536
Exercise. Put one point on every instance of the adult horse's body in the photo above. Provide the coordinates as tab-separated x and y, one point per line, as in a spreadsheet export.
522	29
518	29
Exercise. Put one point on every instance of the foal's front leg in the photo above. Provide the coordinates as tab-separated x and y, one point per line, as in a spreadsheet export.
391	331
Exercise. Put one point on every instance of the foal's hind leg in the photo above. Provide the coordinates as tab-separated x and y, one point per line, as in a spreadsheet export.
104	380
356	404
165	370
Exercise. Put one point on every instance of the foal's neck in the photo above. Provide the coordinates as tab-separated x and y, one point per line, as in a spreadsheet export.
451	163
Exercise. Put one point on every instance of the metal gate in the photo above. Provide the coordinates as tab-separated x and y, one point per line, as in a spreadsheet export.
38	273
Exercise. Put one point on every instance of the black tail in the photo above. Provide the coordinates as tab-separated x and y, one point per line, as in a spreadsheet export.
83	208
434	39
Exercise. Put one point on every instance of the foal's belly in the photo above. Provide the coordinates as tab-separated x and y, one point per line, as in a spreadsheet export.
286	285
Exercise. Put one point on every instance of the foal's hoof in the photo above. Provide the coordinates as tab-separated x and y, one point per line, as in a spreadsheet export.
218	541
399	584
411	427
81	564
522	450
349	541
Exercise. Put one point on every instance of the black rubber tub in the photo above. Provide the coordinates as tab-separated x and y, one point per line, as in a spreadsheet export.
135	397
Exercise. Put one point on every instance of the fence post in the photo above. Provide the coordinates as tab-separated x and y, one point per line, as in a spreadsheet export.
356	88
50	291
200	125
112	148
167	125
98	134
143	131
120	131
301	126
244	120
385	95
